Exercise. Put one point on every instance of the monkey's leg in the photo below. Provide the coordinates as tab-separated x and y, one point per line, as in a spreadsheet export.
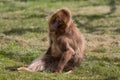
37	65
64	60
51	63
24	69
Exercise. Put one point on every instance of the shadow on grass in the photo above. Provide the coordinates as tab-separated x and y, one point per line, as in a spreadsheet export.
112	5
107	59
10	55
12	68
25	58
21	31
35	16
28	16
90	18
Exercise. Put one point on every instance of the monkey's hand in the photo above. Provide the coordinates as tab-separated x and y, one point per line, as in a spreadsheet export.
69	72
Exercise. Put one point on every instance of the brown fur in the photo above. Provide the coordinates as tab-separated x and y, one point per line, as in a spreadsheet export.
66	45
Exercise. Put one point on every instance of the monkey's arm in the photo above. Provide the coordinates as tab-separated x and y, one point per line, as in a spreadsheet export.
63	61
67	53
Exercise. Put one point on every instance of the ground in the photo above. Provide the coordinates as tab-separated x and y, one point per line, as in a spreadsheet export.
24	37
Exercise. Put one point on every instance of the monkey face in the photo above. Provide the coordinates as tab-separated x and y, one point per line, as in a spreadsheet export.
60	20
58	23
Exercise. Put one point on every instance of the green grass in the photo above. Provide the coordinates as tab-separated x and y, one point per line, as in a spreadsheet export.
24	37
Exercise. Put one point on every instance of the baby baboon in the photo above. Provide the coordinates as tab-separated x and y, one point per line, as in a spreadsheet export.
66	45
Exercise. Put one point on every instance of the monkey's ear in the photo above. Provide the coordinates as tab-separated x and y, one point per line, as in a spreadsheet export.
66	12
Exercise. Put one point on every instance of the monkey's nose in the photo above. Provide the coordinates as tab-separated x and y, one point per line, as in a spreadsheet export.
55	25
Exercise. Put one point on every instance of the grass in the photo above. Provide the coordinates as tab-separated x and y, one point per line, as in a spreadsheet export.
24	37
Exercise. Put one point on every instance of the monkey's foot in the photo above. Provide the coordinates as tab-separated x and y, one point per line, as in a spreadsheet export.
69	72
24	69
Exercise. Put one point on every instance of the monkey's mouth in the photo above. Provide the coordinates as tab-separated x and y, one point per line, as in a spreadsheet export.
57	26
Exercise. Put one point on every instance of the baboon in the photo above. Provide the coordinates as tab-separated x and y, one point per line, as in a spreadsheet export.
66	48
